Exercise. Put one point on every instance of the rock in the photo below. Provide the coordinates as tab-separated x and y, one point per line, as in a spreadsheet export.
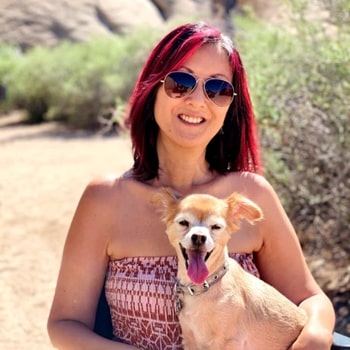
37	22
27	23
122	17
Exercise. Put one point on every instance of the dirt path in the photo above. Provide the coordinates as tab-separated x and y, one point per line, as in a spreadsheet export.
43	172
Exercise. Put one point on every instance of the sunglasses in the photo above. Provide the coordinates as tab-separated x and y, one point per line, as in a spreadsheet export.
180	84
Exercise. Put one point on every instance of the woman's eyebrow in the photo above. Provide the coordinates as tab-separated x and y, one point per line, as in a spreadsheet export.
217	75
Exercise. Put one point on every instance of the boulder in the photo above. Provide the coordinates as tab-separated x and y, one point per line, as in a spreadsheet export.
40	22
27	23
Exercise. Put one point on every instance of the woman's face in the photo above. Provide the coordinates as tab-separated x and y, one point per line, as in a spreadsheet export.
193	120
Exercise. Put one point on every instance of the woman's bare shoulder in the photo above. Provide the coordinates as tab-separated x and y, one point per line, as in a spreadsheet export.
250	183
113	190
109	180
107	185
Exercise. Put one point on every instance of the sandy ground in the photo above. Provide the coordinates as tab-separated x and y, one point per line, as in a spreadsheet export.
43	172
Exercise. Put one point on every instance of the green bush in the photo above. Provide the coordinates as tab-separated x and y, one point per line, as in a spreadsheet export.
300	83
75	82
9	57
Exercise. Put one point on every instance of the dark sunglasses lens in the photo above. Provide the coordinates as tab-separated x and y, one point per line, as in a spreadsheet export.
219	91
179	84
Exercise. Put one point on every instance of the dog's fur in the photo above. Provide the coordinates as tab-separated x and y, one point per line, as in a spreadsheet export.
239	311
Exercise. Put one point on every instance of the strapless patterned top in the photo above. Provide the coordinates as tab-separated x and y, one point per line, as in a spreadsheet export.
139	291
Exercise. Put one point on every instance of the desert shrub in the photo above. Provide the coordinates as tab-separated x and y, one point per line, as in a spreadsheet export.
339	12
9	57
300	85
74	82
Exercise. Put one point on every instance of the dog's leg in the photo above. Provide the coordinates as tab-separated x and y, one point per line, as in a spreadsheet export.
188	342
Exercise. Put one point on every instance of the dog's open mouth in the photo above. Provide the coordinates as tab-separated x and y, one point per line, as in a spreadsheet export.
195	260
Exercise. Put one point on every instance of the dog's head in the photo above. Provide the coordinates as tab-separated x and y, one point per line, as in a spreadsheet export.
200	225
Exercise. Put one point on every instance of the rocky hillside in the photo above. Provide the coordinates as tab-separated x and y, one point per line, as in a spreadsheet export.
41	22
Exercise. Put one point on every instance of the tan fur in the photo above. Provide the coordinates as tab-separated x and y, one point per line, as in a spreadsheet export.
240	311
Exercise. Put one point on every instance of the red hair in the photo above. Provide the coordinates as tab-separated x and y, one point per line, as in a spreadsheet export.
235	147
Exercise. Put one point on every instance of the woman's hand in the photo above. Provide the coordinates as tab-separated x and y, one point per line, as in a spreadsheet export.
313	338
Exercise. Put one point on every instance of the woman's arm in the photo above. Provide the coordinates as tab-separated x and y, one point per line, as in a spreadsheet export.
317	334
281	263
82	273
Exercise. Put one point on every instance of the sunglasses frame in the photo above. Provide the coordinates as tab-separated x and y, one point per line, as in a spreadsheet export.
205	81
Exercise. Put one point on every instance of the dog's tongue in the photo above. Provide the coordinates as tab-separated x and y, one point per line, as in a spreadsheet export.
197	270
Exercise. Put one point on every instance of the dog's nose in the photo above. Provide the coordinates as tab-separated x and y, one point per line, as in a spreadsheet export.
198	240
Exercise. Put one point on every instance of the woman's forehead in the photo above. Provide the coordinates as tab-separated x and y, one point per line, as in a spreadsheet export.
209	60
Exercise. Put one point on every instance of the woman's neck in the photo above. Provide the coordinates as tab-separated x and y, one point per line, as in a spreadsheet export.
183	171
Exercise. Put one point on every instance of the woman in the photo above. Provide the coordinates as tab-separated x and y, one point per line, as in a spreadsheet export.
193	130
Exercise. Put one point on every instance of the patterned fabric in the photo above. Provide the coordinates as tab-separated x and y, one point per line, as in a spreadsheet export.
139	291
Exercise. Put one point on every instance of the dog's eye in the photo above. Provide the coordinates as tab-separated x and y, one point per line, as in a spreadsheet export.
215	227
184	223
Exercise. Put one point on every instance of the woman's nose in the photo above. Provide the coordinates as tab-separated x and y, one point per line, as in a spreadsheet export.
198	96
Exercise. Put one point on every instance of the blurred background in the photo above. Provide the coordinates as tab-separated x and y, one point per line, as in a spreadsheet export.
67	69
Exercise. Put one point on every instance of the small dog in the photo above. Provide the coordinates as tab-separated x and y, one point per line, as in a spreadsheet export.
221	306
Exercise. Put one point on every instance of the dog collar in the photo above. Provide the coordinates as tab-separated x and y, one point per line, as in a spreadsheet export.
196	289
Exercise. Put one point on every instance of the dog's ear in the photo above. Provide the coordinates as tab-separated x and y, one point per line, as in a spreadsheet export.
242	207
164	200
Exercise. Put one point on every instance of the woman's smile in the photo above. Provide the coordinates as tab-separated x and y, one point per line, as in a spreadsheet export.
191	119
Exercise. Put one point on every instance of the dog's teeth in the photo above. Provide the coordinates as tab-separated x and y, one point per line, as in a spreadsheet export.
208	255
184	254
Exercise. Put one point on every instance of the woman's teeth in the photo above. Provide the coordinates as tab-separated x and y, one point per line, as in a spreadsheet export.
191	120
